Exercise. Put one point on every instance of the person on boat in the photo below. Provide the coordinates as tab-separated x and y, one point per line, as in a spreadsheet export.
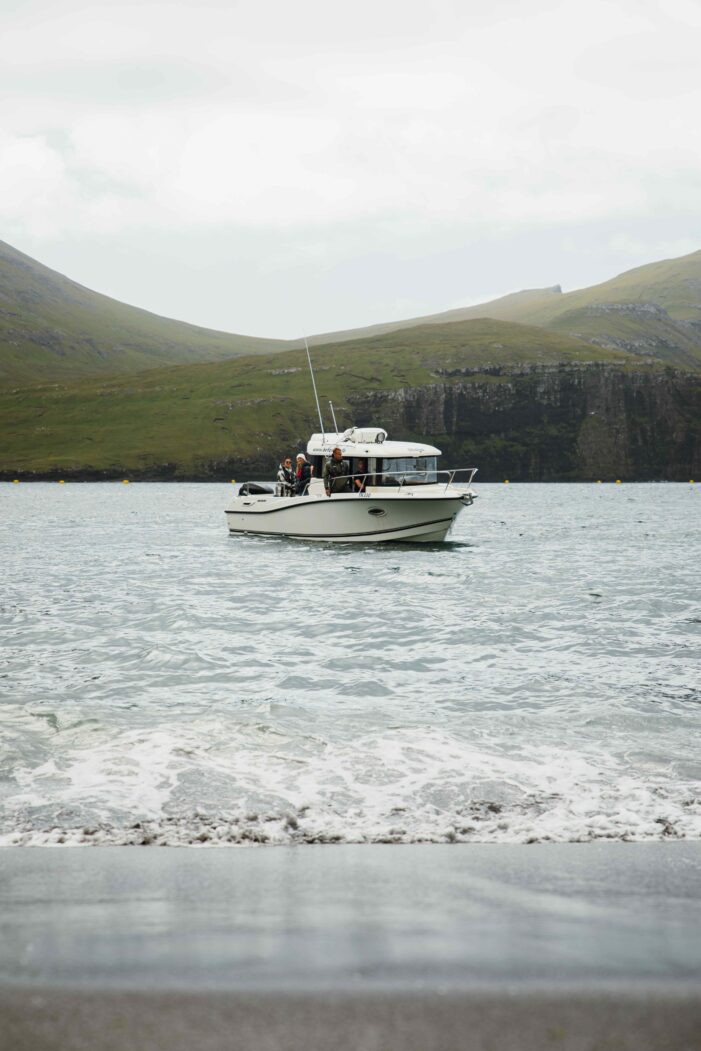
303	474
286	478
336	471
360	478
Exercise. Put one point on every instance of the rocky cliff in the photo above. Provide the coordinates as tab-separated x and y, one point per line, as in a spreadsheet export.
563	422
527	421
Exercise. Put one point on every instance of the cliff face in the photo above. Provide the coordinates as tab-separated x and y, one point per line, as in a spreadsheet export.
553	422
573	421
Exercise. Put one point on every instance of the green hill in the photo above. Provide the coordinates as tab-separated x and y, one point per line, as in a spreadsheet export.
653	311
196	421
91	388
507	308
53	328
673	285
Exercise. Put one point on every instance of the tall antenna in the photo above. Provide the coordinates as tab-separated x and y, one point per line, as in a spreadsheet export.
333	416
316	396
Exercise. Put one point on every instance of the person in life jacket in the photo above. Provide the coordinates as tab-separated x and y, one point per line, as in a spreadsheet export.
336	471
303	475
286	478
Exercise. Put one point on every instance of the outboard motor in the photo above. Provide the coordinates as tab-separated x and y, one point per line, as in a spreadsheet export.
253	489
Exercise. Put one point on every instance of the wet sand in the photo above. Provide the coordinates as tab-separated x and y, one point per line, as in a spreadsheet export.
367	947
507	1021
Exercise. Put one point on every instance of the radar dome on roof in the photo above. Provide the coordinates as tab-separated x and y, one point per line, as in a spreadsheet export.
374	435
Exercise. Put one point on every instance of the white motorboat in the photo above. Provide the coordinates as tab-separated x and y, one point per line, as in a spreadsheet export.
395	493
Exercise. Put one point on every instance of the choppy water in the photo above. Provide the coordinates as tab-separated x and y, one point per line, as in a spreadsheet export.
537	678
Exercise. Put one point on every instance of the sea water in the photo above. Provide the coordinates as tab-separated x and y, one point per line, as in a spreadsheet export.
537	677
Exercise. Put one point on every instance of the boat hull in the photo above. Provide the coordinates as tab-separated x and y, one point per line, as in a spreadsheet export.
347	518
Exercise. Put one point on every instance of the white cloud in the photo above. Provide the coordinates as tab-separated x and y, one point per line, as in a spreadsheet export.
634	249
34	185
393	124
658	64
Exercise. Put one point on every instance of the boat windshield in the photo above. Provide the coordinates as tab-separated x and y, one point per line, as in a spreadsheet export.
409	470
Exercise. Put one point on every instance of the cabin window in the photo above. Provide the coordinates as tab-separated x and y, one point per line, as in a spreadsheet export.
317	463
409	470
362	469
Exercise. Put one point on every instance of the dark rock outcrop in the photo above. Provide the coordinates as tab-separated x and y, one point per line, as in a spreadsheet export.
554	422
538	422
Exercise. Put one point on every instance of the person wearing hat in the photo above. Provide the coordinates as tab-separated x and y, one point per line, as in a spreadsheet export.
303	475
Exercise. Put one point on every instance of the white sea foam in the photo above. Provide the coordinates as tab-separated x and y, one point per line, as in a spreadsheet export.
538	682
402	785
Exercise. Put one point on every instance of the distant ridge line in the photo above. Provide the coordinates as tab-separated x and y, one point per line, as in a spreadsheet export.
54	328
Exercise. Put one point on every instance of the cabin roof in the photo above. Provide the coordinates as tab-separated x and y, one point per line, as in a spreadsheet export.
366	441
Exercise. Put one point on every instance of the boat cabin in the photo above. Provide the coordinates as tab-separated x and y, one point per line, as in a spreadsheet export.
370	453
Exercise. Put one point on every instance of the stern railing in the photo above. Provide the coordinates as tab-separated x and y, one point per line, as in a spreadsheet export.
407	477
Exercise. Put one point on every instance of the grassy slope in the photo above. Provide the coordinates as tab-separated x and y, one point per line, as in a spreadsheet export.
53	328
507	308
672	284
657	337
249	407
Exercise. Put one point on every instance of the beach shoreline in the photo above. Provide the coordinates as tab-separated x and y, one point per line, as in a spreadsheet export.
422	947
507	1020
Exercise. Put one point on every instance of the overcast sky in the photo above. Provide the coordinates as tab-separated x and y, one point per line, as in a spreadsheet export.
278	167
